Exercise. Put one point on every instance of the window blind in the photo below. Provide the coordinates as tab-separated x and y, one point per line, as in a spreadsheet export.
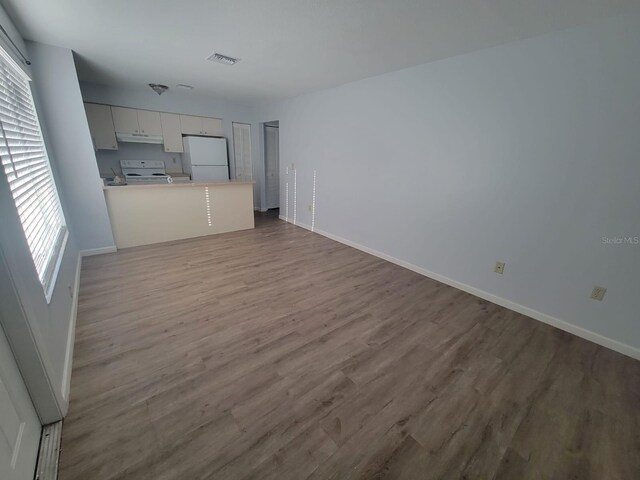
26	165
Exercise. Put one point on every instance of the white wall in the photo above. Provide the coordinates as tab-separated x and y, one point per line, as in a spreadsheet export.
526	153
66	131
176	101
39	331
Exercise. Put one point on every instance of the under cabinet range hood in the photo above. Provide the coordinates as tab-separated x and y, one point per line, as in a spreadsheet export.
139	138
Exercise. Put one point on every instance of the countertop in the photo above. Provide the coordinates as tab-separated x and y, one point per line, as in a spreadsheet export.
223	183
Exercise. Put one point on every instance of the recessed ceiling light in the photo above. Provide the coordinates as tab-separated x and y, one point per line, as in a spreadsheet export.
185	86
223	59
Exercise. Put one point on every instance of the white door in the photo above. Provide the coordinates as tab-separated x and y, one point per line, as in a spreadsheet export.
209	173
242	151
19	424
272	165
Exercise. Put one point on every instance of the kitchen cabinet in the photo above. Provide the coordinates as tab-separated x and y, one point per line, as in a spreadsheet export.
171	132
149	122
125	120
101	126
212	127
192	125
130	120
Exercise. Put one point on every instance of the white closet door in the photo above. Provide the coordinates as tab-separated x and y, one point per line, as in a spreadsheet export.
242	151
19	425
272	165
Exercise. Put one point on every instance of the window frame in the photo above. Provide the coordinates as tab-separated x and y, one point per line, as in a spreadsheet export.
52	267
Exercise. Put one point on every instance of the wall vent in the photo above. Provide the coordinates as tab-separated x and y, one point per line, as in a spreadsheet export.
223	59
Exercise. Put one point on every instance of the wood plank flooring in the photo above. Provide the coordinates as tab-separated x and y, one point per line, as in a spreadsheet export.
279	354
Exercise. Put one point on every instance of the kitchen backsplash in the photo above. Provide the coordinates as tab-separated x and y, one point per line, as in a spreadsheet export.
110	159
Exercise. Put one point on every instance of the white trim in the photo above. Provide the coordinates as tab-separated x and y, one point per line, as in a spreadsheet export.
48	293
503	302
98	251
260	209
71	335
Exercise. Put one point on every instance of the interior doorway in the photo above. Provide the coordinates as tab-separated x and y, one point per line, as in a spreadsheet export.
272	164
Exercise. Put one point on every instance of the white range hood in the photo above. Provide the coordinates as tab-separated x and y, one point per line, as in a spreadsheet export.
139	138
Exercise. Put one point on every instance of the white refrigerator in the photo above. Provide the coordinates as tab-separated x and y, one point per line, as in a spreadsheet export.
205	158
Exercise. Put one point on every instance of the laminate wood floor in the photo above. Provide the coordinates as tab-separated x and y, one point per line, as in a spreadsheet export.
276	353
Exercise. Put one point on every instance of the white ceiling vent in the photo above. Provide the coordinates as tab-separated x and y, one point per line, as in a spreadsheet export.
223	59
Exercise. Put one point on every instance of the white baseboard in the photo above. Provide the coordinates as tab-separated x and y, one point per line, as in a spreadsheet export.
98	251
71	335
503	302
259	209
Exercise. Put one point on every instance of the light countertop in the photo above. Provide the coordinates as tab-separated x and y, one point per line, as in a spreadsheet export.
222	183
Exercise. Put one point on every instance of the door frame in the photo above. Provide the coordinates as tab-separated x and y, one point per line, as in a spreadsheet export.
264	132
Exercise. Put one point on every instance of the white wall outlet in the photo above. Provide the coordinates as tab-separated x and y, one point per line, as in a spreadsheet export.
499	268
598	293
293	167
310	208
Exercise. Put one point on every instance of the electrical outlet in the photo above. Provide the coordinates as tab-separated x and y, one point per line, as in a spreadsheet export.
310	208
293	167
598	293
174	159
499	268
70	291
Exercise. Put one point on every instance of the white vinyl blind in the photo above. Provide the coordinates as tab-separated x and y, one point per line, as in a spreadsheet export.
26	165
242	150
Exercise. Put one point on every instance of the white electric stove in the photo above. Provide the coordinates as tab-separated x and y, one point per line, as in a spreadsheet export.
145	171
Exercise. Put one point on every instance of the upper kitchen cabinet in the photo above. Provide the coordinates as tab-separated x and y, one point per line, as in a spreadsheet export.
101	126
130	120
125	120
172	132
212	127
149	122
192	125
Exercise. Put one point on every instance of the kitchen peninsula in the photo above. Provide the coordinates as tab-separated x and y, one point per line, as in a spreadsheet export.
143	214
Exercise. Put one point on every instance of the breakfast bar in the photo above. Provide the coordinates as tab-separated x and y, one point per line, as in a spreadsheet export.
142	214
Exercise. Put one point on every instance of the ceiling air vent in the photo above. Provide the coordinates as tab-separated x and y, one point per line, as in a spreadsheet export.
223	59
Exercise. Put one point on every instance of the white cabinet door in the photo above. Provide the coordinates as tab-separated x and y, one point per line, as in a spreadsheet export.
149	122
171	132
101	126
272	165
125	120
191	125
212	127
19	425
242	151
